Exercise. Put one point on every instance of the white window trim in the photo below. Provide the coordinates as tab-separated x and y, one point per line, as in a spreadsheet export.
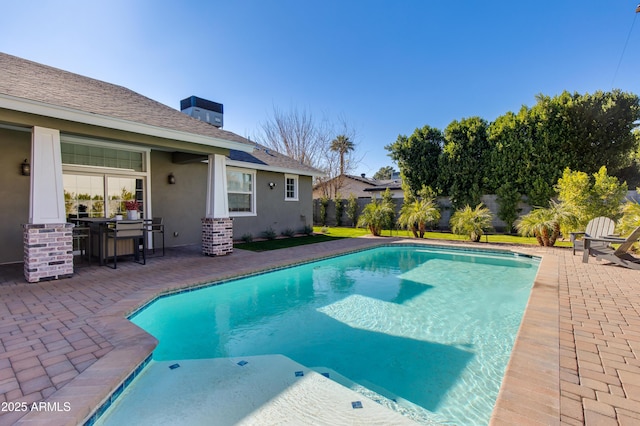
253	211
296	188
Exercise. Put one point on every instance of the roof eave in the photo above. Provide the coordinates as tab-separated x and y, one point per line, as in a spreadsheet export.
269	168
70	114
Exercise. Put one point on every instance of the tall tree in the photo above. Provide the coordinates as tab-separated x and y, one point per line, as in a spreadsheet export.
297	134
384	173
417	157
342	145
465	161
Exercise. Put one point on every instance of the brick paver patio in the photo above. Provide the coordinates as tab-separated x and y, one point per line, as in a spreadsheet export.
576	359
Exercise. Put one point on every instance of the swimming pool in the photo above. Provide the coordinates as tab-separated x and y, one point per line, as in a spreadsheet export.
425	331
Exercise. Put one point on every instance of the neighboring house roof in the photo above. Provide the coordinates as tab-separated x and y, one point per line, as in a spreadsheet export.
371	184
383	185
31	87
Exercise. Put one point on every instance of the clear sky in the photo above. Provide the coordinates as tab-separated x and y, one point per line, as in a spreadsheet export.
386	67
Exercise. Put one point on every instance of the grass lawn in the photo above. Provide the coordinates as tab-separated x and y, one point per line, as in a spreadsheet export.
285	242
333	233
497	238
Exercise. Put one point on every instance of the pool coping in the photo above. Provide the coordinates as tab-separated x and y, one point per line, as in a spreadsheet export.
132	346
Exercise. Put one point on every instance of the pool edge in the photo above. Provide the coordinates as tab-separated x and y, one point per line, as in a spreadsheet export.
533	371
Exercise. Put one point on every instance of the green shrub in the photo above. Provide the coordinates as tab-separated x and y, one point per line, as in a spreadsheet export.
288	232
471	222
269	234
324	202
247	238
339	209
352	210
307	230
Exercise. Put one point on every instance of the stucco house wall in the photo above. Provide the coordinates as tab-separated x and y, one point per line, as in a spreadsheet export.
15	146
181	205
272	209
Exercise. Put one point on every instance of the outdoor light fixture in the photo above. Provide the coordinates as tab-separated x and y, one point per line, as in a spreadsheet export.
171	179
25	168
272	185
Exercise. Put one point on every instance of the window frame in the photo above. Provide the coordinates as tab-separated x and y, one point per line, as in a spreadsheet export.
253	174
296	187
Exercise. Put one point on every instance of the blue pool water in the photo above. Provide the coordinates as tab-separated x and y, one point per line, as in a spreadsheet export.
426	331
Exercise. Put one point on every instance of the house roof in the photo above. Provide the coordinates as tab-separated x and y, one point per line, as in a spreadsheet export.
36	88
31	87
264	158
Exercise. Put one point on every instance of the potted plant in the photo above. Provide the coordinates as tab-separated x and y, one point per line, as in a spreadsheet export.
132	207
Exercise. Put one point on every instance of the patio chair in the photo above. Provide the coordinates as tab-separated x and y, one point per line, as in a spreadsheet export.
82	241
598	227
156	227
620	255
135	230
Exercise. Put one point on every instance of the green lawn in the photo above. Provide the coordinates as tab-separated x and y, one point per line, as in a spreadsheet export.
285	242
497	238
333	233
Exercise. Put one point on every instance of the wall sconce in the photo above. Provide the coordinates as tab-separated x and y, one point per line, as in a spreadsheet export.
171	179
272	185
25	168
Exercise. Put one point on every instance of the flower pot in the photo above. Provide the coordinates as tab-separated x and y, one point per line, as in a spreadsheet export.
118	217
132	214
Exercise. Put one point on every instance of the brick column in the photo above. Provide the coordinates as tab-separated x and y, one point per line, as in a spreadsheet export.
48	251
217	236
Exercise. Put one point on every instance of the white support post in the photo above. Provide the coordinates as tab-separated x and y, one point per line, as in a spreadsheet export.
217	226
47	193
217	203
48	239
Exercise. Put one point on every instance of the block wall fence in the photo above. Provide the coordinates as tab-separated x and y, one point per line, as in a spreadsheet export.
446	210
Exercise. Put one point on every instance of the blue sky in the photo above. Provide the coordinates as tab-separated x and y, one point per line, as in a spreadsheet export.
386	67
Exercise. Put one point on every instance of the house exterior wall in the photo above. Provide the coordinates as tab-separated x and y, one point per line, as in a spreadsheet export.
15	146
273	211
182	205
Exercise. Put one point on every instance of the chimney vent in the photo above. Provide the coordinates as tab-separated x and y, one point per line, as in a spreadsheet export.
202	109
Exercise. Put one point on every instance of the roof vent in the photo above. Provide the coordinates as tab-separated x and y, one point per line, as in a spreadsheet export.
202	109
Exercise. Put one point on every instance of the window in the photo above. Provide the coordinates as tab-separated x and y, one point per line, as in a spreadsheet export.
102	156
241	191
290	187
98	176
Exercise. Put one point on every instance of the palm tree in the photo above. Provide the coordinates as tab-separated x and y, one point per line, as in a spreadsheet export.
342	145
544	224
414	215
471	222
375	215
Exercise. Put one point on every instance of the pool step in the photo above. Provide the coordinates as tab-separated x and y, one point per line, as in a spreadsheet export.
266	389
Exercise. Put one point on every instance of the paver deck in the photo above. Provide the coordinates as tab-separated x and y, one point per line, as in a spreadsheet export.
67	343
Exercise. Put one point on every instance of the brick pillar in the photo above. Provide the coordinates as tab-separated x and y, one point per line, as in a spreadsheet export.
48	251
217	236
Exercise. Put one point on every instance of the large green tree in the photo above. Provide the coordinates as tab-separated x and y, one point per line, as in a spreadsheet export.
384	173
582	132
587	198
465	161
417	157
